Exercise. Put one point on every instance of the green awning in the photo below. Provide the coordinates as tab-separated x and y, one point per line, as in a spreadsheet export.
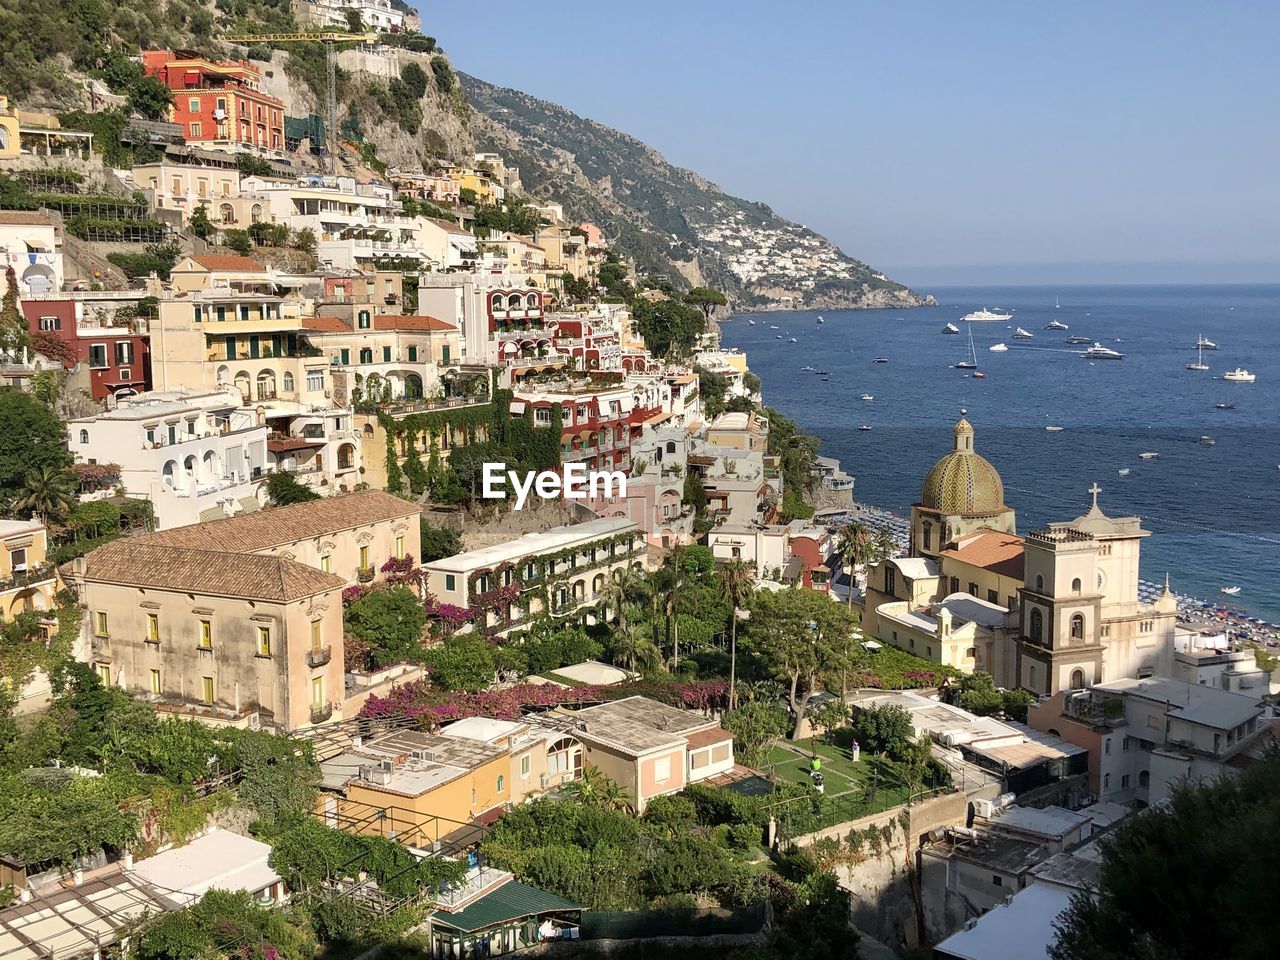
511	901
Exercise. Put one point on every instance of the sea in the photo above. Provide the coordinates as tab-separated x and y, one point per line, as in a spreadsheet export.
1213	510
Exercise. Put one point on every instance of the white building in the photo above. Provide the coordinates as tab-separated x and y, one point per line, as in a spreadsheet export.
1205	657
196	456
377	15
29	244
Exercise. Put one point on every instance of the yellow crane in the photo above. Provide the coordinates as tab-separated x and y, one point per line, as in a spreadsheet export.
330	39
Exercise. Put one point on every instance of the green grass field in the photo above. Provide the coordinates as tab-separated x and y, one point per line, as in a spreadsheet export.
843	778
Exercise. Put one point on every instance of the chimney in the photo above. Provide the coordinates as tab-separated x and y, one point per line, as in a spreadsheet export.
944	623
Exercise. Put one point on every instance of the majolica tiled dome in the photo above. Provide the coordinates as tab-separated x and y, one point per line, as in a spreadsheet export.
963	483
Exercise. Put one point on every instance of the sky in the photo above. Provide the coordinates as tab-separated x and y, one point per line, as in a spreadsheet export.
943	142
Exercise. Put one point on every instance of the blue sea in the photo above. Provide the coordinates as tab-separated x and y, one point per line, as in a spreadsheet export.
1214	511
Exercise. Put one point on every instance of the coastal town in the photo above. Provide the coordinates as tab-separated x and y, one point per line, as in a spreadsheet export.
283	677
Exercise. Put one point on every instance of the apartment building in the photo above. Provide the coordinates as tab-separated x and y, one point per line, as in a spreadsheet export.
491	309
592	341
600	418
111	359
29	244
392	356
218	103
195	455
184	187
27	581
511	584
543	754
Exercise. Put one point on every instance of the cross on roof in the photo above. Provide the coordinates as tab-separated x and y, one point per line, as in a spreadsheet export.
1095	490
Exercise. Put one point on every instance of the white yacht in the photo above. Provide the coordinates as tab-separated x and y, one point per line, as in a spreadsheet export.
866	396
792	340
820	320
1053	428
1230	591
1204	343
987	316
1056	325
1239	375
950	328
750	321
1021	334
1099	352
998	348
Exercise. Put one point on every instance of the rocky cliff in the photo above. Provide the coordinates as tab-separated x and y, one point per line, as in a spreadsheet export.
671	220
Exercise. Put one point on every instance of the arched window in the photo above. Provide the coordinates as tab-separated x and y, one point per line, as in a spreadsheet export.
286	382
1037	625
502	783
255	213
1144	778
226	213
84	436
1077	626
1075	585
1106	781
1077	679
266	385
1031	679
598	583
1039	583
167	473
928	536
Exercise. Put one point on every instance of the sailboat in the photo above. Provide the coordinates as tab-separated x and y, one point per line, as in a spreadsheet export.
972	362
1056	304
1199	364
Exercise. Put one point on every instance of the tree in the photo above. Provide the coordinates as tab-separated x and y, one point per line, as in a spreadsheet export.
854	549
755	726
390	623
239	241
438	542
798	635
150	98
1014	703
47	492
621	588
462	662
978	694
632	646
284	488
596	789
305	240
706	300
32	438
738	581
885	730
1161	867
13	325
200	223
355	23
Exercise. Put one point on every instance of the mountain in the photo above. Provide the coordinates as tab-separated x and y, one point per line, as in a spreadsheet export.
671	220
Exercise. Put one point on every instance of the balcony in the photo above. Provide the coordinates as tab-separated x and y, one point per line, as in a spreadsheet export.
319	657
365	574
320	712
25	577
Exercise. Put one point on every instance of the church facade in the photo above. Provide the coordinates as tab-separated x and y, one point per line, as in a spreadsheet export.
1055	609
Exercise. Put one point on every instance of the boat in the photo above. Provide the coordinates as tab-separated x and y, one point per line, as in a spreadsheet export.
978	375
1204	343
808	369
1053	428
880	360
820	320
792	340
777	336
1230	591
998	348
1021	334
1124	471
821	373
1149	455
1099	352
864	428
1056	325
750	321
972	362
1207	441
1239	375
1079	338
773	326
1056	304
1225	406
950	328
866	396
824	378
1199	364
987	316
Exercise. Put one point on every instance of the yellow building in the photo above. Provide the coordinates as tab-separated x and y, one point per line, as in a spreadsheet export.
27	581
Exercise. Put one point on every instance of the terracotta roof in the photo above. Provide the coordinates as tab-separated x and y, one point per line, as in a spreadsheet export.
27	217
388	321
277	526
326	325
136	562
991	550
705	738
223	261
449	226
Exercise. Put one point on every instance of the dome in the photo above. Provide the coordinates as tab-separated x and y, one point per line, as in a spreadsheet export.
963	483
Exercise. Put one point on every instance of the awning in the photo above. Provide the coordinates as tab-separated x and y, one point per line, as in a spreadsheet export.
511	901
517	406
293	443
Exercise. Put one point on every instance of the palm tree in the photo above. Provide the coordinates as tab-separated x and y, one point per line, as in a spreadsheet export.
631	646
673	582
618	589
882	546
46	491
737	580
594	789
855	550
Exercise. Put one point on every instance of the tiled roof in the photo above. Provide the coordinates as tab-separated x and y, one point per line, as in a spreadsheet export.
325	325
135	562
395	322
706	738
223	261
26	217
280	525
991	550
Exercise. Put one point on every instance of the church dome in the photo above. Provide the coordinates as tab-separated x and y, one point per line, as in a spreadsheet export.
963	483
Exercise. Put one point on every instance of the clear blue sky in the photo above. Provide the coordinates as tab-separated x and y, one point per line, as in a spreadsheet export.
941	141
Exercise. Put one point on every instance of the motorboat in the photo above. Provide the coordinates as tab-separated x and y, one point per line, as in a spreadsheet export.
880	360
1124	471
1056	325
808	369
987	316
1230	591
1225	406
1239	375
978	375
777	336
865	428
1079	338
1021	334
792	340
750	321
820	320
1199	363
773	326
950	328
1207	441
821	373
998	348
1149	455
1053	428
1099	352
1204	343
866	396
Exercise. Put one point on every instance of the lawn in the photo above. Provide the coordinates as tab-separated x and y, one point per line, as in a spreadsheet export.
846	782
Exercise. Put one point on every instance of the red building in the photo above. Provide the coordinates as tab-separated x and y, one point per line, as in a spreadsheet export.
218	101
116	359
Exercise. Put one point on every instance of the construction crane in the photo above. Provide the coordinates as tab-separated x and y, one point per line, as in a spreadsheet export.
330	41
